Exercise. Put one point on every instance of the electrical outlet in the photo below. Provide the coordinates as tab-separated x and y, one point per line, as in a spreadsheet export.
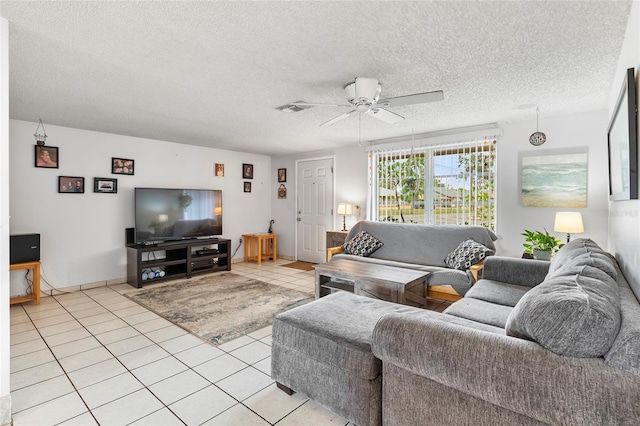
240	240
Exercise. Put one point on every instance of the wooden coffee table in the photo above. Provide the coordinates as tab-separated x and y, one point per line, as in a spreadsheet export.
390	283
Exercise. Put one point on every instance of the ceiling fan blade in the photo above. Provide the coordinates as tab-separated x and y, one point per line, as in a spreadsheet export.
385	115
338	118
303	104
417	98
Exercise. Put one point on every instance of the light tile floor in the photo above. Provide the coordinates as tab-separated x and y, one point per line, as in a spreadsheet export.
95	357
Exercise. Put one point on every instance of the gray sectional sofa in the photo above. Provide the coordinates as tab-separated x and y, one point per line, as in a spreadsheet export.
421	247
531	343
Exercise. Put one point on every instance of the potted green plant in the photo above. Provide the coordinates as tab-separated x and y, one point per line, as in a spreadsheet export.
541	245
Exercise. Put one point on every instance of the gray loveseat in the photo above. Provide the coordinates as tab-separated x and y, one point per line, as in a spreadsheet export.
531	343
421	247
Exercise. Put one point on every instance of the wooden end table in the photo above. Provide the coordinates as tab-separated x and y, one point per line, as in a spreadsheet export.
260	246
35	290
390	283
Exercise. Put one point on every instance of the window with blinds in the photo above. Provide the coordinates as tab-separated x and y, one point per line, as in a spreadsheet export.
449	184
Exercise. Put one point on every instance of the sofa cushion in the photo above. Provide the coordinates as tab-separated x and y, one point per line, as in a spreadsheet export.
480	311
362	244
625	351
421	244
576	315
597	260
570	251
498	292
467	254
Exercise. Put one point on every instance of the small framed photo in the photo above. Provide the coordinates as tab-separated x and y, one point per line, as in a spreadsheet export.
218	170
70	184
122	166
247	171
46	156
105	185
282	175
247	187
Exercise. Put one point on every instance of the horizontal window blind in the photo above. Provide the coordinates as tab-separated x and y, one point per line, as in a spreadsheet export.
448	184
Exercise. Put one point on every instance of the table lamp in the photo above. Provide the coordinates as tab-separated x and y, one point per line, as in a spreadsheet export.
344	209
569	222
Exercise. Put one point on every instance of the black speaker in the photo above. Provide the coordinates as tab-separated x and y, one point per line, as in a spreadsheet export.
129	235
24	248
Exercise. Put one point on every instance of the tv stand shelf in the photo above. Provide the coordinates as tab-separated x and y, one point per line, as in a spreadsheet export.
176	259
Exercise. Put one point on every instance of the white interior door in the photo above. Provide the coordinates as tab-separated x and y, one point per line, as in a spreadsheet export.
315	203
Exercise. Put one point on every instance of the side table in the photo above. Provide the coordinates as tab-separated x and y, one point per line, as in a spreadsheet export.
260	246
336	238
35	291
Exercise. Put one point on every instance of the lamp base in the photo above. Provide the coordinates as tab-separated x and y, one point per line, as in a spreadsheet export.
344	223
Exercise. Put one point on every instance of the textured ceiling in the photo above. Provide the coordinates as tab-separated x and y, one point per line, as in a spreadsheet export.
213	73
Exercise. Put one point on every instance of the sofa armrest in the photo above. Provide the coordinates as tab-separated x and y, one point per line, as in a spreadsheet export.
515	374
526	272
333	250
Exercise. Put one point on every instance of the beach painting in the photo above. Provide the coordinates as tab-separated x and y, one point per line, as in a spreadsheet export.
554	179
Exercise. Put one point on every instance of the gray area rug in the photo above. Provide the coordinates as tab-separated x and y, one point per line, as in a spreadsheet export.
221	307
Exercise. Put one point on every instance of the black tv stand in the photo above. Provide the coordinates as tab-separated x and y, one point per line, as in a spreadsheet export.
149	263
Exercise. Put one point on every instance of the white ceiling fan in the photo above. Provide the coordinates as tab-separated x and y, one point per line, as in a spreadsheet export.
363	97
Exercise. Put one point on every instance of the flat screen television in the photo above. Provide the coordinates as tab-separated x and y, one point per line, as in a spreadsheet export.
623	143
164	214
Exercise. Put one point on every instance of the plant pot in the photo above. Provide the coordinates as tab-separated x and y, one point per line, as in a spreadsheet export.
542	255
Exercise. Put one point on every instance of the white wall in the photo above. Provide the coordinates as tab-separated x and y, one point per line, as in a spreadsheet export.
82	235
579	130
624	216
350	171
5	397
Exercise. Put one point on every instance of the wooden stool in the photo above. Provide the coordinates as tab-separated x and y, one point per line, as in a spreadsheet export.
35	293
260	246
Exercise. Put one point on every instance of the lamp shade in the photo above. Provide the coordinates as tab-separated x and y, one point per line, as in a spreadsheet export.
344	208
569	222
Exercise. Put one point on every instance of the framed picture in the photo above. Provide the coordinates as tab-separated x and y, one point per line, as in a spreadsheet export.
247	171
247	187
122	166
282	175
218	170
554	178
105	185
46	156
623	143
70	184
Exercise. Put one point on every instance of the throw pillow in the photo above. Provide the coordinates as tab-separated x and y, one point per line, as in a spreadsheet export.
574	315
467	254
363	244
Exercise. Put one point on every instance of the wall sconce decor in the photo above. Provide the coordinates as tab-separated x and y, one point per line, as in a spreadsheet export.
537	138
40	138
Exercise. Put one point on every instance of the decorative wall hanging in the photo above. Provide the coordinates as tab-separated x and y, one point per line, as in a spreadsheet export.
247	187
71	184
282	191
46	156
105	185
282	175
40	138
537	138
554	178
247	171
122	166
219	170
